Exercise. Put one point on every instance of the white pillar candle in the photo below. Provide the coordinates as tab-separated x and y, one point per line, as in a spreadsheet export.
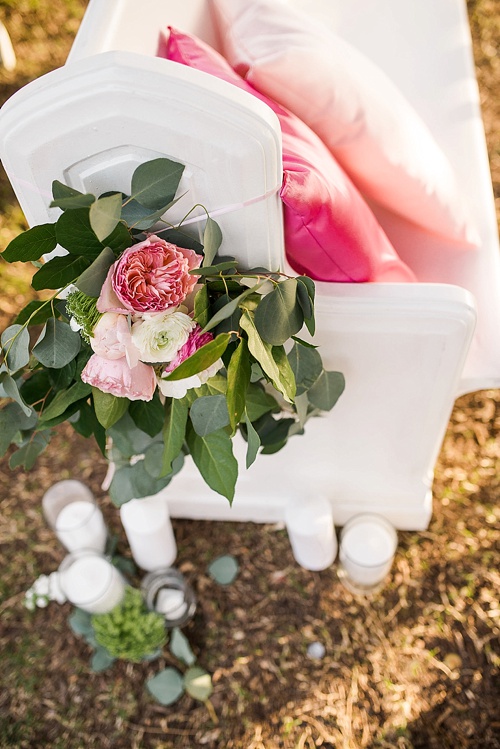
367	547
309	523
149	532
70	509
171	603
91	582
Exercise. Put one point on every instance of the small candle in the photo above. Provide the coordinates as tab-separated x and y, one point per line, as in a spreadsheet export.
168	592
90	582
367	547
309	523
149	532
171	603
70	510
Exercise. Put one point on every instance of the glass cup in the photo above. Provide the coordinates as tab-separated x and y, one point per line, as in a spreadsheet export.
91	582
368	543
70	510
167	592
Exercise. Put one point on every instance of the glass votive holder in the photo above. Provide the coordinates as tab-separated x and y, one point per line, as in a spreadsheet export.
71	511
309	523
368	543
167	592
91	582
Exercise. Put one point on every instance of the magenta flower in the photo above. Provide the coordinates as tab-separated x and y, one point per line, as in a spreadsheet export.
151	276
196	340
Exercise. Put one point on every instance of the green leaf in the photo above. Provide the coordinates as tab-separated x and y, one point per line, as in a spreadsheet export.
11	390
306	365
166	687
28	453
101	660
31	244
213	456
279	315
238	380
253	440
59	272
263	352
58	344
287	378
182	239
212	240
64	399
155	183
92	279
259	402
80	622
67	198
119	239
201	359
153	459
273	431
209	414
41	312
224	569
302	342
326	390
202	306
180	648
198	683
75	234
228	309
104	214
13	420
60	379
306	291
128	438
174	431
214	270
148	415
15	347
108	408
302	407
134	482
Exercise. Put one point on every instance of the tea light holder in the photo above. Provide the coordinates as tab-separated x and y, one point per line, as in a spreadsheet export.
167	592
368	543
91	582
149	532
71	511
309	523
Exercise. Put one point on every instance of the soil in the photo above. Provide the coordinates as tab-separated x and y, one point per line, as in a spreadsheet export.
415	667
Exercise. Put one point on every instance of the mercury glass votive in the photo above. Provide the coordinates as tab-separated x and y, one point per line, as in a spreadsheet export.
167	592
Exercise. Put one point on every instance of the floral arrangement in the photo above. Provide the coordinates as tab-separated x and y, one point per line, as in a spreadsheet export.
153	343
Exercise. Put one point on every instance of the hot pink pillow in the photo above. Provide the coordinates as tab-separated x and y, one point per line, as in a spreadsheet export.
330	233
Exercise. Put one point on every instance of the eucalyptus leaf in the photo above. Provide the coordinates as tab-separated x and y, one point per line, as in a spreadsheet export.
92	279
306	284
64	399
259	402
101	660
11	390
229	309
57	345
203	358
326	391
80	622
15	347
302	407
212	240
174	430
67	198
181	238
36	312
28	453
155	182
224	569
213	456
134	482
129	438
104	214
31	244
198	683
214	270
59	272
279	314
153	459
166	687
180	648
148	415
253	441
12	420
75	234
306	365
108	408
209	414
238	380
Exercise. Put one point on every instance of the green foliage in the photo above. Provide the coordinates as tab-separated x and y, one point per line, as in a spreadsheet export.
130	631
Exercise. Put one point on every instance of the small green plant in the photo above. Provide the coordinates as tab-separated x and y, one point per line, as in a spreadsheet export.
130	631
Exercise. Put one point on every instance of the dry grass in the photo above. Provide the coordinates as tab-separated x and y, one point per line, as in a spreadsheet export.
416	667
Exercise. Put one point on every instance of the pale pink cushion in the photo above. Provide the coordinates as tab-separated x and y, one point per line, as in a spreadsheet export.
330	233
369	126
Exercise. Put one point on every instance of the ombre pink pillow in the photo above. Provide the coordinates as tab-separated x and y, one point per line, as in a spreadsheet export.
330	233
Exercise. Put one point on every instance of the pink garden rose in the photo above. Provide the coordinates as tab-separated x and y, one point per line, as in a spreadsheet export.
151	276
116	377
112	339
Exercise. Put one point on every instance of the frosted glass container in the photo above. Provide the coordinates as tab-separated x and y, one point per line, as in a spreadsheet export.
91	582
70	510
368	543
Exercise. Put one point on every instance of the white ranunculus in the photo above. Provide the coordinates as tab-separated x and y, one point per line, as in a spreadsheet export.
160	336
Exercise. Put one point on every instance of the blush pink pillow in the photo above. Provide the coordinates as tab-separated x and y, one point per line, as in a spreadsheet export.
330	233
358	112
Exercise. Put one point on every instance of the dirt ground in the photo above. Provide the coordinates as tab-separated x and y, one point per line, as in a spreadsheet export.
416	667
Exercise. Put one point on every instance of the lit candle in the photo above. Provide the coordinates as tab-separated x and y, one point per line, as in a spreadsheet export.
309	523
149	532
91	582
70	510
367	547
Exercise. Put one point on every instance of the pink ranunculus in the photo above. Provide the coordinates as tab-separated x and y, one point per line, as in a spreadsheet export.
112	339
116	377
179	388
196	340
151	276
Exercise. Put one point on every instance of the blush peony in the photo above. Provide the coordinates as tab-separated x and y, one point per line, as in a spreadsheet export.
152	276
114	376
112	339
